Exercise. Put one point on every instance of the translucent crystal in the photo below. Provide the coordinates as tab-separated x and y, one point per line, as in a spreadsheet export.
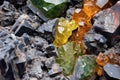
102	59
84	68
67	55
50	8
99	71
64	31
83	17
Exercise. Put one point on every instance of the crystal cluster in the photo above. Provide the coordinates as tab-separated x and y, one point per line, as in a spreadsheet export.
67	55
64	31
83	17
50	8
85	68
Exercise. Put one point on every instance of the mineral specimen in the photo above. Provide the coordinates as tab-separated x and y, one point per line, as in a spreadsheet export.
84	68
83	17
64	31
102	59
95	42
108	19
50	8
113	71
67	55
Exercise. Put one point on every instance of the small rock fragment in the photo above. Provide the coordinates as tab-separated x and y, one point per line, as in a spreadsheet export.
24	27
55	70
113	71
49	26
108	19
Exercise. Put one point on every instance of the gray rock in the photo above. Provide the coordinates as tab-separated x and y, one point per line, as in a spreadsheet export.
69	13
55	70
24	27
27	39
49	26
108	19
112	71
7	6
36	70
49	62
95	42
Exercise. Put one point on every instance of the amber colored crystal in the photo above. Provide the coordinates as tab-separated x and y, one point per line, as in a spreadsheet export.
90	7
83	18
102	59
114	58
100	71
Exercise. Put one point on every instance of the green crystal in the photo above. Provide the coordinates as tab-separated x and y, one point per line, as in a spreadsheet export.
67	56
85	67
50	8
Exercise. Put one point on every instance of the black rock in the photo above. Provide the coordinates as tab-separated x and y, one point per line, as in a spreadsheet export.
95	42
51	51
21	69
77	3
50	48
7	21
1	2
24	27
48	36
112	71
27	39
18	3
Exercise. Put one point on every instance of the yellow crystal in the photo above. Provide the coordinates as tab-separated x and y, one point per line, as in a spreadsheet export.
64	31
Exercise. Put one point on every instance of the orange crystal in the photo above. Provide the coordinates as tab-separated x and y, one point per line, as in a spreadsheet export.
83	18
100	71
102	59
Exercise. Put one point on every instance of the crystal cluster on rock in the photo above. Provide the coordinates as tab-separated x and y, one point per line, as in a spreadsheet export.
64	31
50	8
83	17
85	68
27	51
67	55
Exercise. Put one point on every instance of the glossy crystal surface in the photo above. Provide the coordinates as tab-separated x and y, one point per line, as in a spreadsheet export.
67	55
64	31
85	68
83	17
50	8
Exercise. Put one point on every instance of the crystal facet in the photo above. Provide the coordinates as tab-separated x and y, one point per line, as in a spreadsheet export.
67	55
64	31
102	59
83	17
50	8
84	68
